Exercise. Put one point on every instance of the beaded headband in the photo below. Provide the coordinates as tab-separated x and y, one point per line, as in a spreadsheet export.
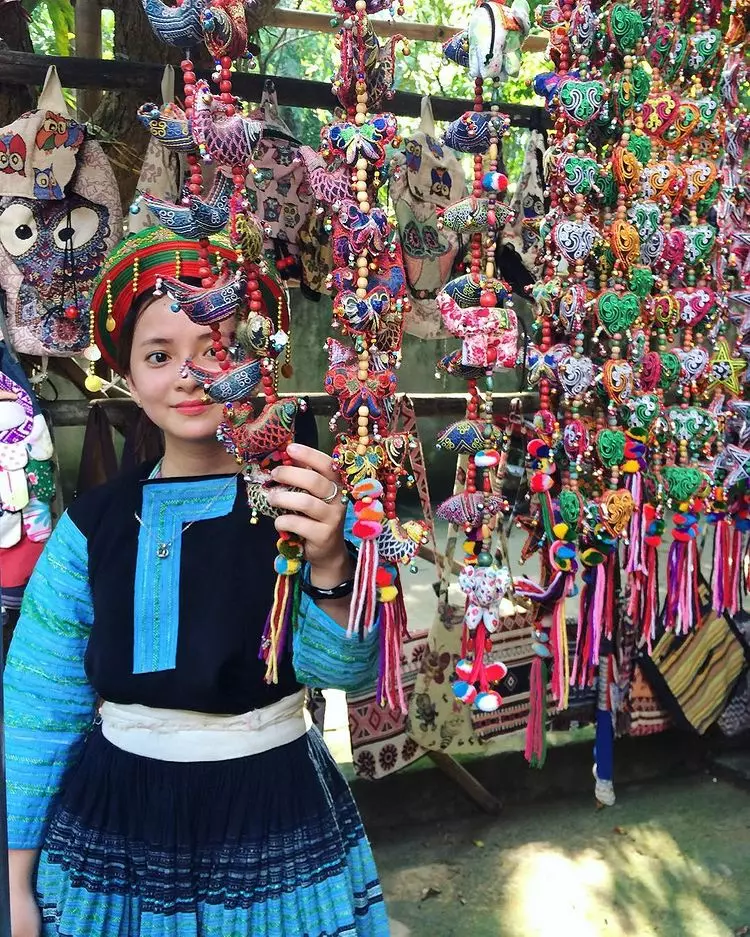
137	265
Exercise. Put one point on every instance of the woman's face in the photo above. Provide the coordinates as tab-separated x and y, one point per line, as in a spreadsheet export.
162	341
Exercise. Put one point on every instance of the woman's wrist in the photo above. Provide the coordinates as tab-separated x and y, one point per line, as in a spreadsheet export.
332	571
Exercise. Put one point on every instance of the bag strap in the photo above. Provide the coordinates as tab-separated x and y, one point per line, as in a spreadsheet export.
98	458
269	100
427	120
167	85
405	419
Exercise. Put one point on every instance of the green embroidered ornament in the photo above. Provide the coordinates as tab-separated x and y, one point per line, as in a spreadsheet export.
709	108
704	206
641	83
670	369
673	65
692	425
610	445
580	174
640	146
608	188
682	482
646	217
639	415
41	479
581	100
625	27
641	281
570	507
704	49
699	241
617	312
661	45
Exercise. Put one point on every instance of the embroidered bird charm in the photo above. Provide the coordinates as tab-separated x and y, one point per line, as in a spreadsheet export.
228	141
201	217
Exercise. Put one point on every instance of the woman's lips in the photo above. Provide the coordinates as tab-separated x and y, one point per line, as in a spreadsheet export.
192	407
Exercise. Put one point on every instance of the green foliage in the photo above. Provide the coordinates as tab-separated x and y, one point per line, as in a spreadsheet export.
424	71
52	26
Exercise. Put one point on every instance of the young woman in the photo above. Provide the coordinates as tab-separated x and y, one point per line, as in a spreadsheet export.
157	787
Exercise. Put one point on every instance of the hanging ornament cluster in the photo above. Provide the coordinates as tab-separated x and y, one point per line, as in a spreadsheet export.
476	307
369	304
631	357
213	129
730	510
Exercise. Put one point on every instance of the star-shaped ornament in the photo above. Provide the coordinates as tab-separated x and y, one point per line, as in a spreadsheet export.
724	371
736	461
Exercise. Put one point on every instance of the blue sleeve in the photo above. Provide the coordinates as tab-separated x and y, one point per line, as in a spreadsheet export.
49	704
323	654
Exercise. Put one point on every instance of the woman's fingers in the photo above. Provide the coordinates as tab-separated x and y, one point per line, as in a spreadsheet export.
307	457
302	502
313	532
307	479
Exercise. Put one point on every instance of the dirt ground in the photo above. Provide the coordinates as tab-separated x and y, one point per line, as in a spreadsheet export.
670	859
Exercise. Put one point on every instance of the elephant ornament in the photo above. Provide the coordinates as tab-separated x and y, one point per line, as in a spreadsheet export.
489	333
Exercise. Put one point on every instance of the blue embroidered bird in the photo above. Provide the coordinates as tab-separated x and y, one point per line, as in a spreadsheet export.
201	217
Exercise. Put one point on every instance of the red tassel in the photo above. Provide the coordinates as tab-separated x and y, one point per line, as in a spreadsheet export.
536	728
394	630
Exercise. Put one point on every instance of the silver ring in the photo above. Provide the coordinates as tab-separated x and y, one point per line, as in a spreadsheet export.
333	495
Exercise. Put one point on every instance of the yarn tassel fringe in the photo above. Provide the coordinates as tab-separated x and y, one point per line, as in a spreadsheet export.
536	728
285	599
722	573
393	631
559	647
364	594
682	611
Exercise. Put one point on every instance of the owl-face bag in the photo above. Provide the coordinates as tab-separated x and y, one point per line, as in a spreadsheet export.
428	176
60	215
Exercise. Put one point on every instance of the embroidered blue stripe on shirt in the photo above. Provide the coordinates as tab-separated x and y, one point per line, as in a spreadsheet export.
167	508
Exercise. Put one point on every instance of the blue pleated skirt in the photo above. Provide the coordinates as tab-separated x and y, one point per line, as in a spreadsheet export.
270	845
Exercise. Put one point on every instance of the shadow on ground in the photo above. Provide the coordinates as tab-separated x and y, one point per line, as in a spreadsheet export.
670	859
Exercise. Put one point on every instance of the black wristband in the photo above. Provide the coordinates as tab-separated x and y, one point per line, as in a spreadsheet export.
321	595
337	592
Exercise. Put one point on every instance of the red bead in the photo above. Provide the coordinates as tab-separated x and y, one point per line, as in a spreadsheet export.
195	188
221	355
71	312
229	110
252	285
226	97
226	62
206	282
225	85
255	306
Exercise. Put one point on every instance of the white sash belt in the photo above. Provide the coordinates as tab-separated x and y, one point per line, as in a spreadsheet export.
180	735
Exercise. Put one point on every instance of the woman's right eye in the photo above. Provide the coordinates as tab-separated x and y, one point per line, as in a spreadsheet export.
157	357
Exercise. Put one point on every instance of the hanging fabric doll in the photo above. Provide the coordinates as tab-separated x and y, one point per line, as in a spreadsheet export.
427	176
27	480
60	215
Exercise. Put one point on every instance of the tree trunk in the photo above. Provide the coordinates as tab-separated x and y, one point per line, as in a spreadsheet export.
14	32
134	41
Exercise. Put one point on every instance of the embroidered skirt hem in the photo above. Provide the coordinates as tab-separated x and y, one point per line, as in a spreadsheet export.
270	845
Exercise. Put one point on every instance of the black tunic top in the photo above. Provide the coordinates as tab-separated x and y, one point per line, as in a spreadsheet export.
224	579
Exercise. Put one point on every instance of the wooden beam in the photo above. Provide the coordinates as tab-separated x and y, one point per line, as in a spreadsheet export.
466	781
22	68
422	32
75	412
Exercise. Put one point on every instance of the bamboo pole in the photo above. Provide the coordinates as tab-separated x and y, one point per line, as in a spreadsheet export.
425	32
